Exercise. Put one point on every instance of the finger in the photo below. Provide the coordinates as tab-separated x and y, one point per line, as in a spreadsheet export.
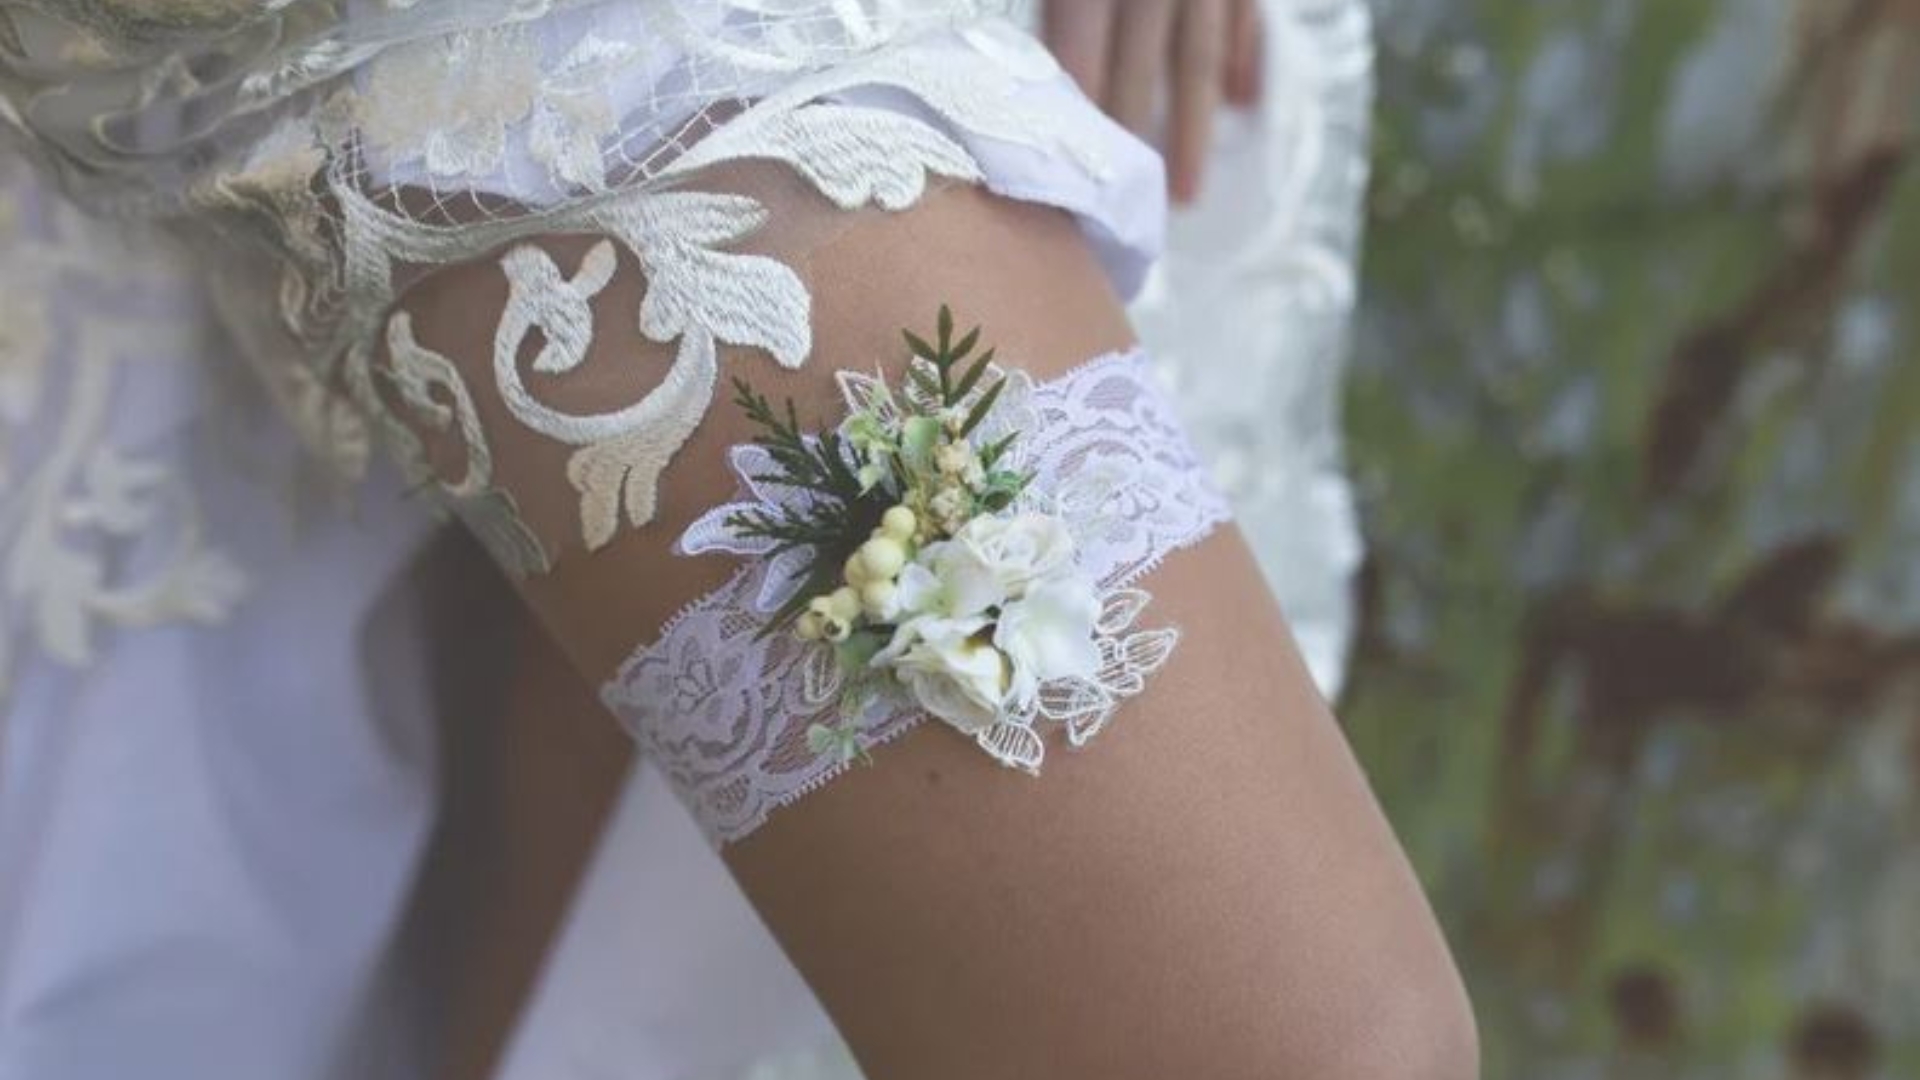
1201	45
1246	47
1079	33
1142	40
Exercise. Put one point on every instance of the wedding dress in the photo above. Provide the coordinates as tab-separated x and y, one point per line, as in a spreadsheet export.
216	773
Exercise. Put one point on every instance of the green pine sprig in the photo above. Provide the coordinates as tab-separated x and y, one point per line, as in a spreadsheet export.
957	372
845	512
833	525
822	463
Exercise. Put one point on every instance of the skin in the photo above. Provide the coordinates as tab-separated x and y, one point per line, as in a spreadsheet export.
1208	889
527	795
518	840
1127	55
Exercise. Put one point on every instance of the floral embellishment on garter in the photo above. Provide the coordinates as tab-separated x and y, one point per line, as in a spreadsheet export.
911	555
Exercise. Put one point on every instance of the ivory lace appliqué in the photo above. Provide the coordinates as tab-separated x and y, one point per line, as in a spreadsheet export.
700	294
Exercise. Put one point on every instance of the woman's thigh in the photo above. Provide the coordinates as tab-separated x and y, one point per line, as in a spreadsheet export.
1207	889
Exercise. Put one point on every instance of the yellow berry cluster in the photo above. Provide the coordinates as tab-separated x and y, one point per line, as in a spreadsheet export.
869	586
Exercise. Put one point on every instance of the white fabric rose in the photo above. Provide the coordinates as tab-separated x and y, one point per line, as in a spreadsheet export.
1019	549
987	617
951	668
1049	634
948	580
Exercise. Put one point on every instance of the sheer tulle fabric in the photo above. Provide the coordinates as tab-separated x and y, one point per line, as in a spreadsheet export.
326	161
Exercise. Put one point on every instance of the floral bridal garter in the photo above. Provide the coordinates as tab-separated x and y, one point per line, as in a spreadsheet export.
964	546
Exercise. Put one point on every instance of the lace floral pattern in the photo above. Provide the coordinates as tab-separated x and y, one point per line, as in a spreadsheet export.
724	710
701	294
370	143
371	146
94	535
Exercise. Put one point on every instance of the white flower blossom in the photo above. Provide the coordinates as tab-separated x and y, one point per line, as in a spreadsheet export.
994	611
948	580
1019	549
1049	634
951	668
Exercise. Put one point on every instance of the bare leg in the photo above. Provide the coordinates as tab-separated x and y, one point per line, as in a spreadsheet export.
1209	890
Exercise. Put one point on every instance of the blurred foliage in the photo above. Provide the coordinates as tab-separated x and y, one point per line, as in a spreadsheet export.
1636	418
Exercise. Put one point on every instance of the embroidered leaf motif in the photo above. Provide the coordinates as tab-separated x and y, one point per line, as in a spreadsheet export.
1014	745
740	299
1132	658
1123	606
855	156
625	469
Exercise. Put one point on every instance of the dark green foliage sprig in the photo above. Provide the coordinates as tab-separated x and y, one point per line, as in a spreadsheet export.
819	464
954	375
833	525
957	372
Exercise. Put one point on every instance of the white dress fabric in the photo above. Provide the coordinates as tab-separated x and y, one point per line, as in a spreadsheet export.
215	757
215	745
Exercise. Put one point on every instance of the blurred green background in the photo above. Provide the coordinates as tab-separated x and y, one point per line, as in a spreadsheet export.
1635	414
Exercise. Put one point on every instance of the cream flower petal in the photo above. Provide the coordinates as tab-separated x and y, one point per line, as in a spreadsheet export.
1049	635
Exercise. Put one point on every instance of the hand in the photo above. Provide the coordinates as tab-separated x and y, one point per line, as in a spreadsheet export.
1120	51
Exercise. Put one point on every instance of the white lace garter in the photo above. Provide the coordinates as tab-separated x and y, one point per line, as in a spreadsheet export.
725	710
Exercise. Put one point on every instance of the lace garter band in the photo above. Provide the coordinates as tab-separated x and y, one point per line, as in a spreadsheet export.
724	709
